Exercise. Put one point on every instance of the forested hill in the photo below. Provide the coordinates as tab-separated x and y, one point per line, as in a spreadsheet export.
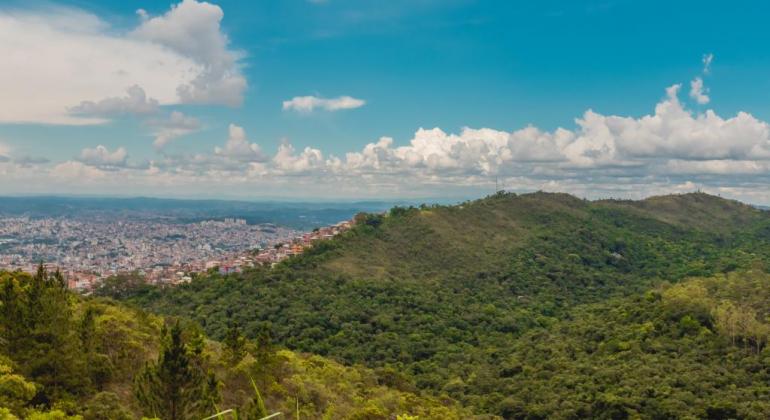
64	357
565	242
443	294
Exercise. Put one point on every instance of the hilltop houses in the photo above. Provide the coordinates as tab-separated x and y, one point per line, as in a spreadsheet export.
177	272
297	245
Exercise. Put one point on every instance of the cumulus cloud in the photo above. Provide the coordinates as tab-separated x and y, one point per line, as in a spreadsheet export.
168	130
614	146
101	157
54	59
136	102
238	147
311	103
193	29
598	142
77	171
698	92
670	142
720	167
288	161
669	150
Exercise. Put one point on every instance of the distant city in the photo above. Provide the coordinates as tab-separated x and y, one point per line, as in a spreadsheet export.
166	245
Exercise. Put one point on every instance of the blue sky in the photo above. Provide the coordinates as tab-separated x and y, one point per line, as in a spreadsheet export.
497	65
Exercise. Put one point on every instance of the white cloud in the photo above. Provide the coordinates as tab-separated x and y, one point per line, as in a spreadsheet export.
698	92
55	59
311	103
238	147
707	59
599	141
287	161
721	167
193	29
23	161
136	102
101	157
76	171
168	130
613	145
672	149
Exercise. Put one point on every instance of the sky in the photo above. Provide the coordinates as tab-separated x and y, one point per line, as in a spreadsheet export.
366	99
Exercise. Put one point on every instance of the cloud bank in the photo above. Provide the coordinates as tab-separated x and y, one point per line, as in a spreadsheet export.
671	149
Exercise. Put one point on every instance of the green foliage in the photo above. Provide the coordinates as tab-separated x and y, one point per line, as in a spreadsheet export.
120	350
173	388
235	343
66	350
38	331
121	286
51	415
256	408
639	358
15	391
105	406
440	293
532	306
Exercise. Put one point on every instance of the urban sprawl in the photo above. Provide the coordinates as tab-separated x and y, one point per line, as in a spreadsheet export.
88	251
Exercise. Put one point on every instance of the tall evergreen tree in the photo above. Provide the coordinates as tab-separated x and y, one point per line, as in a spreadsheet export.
40	335
12	322
234	341
173	388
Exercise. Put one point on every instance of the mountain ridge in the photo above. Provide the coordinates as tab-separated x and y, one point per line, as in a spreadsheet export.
440	292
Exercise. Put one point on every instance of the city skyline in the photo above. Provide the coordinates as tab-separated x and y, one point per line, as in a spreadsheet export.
352	100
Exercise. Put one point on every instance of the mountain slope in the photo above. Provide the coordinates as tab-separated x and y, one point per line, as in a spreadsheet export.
442	292
693	350
66	355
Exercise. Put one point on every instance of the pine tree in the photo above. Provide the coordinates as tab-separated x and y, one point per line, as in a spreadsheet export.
50	349
35	296
12	322
173	387
235	343
99	366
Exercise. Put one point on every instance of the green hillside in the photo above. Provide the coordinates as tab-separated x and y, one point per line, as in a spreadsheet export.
697	349
66	357
444	294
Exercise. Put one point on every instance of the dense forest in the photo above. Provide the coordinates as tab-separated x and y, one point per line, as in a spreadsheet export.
514	306
522	306
67	357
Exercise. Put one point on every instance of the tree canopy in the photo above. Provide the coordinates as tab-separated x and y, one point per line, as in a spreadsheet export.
443	295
